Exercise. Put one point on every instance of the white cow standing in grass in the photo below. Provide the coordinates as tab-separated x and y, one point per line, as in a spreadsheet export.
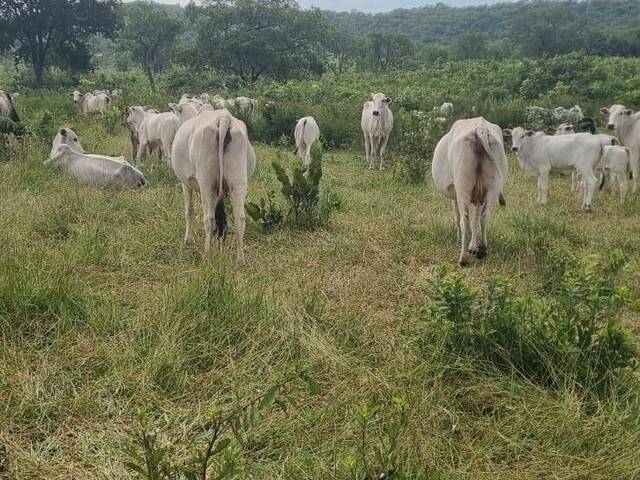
539	153
68	137
470	168
446	109
211	152
606	140
185	111
306	132
98	170
91	103
154	130
626	124
377	124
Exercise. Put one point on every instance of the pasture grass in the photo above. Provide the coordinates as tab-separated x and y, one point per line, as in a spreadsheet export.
103	310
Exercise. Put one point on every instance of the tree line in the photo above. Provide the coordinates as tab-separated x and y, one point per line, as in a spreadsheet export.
252	39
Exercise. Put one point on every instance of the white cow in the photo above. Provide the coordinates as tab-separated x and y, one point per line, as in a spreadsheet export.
245	104
446	109
90	103
6	107
306	132
189	99
155	130
185	111
539	153
68	137
605	140
207	107
470	168
626	124
205	98
116	93
210	152
218	102
97	170
616	160
377	124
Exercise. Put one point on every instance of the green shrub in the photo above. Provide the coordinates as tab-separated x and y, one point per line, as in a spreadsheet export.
302	191
573	338
418	133
267	214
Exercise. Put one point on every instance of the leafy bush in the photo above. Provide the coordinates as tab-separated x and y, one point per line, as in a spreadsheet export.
417	137
302	191
573	338
267	214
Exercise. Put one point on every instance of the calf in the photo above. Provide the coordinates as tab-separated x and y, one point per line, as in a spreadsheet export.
539	153
470	168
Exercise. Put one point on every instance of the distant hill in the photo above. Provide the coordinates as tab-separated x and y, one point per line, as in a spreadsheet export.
442	22
386	5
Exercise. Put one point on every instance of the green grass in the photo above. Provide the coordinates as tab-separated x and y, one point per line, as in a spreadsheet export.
103	310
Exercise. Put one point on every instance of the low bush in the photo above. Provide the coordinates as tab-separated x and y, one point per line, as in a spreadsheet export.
573	338
267	214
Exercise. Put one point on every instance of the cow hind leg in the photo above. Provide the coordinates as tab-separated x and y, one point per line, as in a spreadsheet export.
465	230
239	215
208	212
188	213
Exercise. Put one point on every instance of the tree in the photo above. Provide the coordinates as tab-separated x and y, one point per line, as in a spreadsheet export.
37	30
386	51
544	29
252	38
149	34
341	45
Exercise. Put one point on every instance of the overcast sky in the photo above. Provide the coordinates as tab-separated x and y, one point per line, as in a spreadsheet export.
385	5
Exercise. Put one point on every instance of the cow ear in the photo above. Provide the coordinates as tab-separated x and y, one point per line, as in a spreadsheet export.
529	133
388	100
507	132
63	132
604	110
370	99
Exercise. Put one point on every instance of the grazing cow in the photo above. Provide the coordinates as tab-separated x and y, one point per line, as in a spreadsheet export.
218	102
245	104
539	153
377	124
116	93
154	129
571	115
184	111
68	137
185	99
211	152
205	98
6	107
306	132
544	118
626	124
446	109
97	170
90	103
470	168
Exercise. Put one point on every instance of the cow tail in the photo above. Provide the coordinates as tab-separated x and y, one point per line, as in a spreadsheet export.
224	137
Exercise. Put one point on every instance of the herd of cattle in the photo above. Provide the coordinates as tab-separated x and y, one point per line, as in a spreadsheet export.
210	153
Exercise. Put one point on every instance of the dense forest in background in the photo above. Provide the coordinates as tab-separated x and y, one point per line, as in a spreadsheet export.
247	40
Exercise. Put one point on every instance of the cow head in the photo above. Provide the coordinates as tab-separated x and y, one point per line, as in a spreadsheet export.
617	115
59	154
518	137
380	102
70	138
77	97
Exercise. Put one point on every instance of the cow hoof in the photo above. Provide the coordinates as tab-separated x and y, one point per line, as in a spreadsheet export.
464	263
481	252
588	209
